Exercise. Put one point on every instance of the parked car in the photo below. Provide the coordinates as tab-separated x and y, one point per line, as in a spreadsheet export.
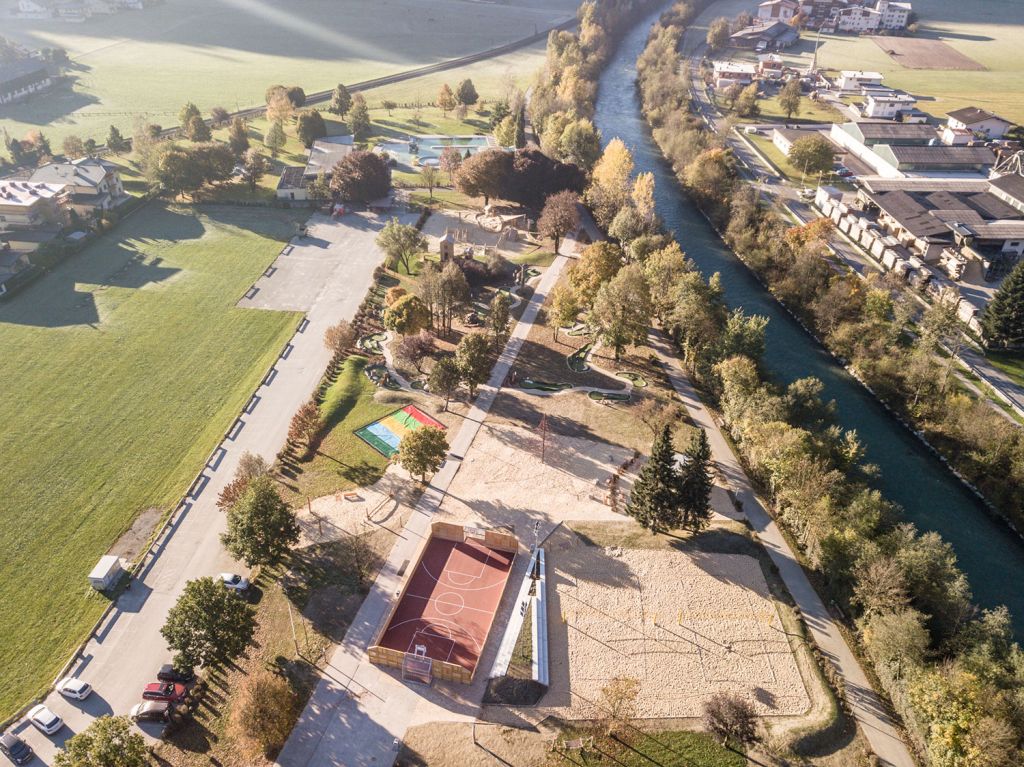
168	673
844	172
74	688
15	749
45	720
165	691
152	711
235	582
806	193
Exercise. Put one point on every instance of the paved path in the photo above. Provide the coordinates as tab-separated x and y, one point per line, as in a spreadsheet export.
127	651
877	726
359	713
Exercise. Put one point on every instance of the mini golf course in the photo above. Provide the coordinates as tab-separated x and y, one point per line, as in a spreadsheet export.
577	361
385	435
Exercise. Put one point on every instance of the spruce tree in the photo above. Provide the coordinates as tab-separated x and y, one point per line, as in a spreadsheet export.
656	500
697	483
1003	321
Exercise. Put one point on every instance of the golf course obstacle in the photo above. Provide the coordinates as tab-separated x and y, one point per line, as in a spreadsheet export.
385	434
381	376
634	378
577	361
372	343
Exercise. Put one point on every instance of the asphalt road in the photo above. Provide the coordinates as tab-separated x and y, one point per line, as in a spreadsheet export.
127	651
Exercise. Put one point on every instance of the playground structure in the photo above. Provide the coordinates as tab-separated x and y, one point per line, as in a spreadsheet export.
440	621
385	434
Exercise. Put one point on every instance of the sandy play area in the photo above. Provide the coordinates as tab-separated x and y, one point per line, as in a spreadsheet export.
503	481
685	625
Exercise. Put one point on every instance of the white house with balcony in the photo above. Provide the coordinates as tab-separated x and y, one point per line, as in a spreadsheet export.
94	185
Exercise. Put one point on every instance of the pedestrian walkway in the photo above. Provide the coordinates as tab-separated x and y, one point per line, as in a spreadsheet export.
868	709
359	713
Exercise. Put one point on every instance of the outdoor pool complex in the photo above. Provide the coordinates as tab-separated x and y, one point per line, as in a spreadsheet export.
426	150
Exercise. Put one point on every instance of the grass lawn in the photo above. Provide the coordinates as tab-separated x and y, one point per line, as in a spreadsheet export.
343	461
151	62
122	370
1011	364
775	156
810	112
692	749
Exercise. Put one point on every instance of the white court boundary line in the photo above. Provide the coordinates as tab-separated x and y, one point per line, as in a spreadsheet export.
465	587
436	600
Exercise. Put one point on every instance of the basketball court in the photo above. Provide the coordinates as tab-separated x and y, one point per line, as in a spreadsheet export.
448	606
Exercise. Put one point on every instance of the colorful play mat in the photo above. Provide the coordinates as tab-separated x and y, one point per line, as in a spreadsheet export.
386	434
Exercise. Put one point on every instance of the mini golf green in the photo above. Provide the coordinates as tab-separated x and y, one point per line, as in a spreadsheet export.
577	361
379	375
638	380
372	342
578	330
419	384
545	385
600	395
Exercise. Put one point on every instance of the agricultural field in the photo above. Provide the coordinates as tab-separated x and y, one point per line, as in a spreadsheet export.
226	53
123	368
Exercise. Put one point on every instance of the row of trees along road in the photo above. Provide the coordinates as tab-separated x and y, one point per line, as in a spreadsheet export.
952	671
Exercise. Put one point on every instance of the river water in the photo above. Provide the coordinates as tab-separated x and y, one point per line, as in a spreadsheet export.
931	496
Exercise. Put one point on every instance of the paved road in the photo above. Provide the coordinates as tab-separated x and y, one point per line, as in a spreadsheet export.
127	651
876	724
359	713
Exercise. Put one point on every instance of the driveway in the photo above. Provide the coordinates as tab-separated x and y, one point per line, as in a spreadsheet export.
126	652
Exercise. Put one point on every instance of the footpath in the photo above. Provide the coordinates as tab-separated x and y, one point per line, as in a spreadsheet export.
359	713
868	709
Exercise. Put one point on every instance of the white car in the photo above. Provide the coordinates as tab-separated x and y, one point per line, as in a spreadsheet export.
45	720
74	688
234	582
807	193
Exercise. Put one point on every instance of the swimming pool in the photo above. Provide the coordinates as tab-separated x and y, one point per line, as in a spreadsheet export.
417	151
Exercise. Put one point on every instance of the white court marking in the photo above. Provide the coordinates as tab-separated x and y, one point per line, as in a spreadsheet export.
452	606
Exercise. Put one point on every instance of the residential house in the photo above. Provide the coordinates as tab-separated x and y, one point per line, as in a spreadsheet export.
856	80
774	35
770	66
729	73
978	121
21	78
94	184
778	10
884	16
818	13
890	105
323	156
29	205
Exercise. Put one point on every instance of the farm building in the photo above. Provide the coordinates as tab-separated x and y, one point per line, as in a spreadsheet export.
774	35
734	73
780	10
978	121
21	78
783	138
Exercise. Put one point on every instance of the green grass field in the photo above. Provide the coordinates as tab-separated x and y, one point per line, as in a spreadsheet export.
226	53
683	748
122	370
343	461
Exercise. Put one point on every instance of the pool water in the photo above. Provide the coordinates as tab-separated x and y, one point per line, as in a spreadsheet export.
417	151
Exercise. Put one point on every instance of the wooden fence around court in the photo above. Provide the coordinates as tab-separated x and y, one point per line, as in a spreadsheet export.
447	672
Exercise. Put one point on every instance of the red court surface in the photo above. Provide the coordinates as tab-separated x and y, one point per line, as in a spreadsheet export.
450	602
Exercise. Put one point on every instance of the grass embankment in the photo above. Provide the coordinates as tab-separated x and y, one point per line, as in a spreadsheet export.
122	370
692	749
342	461
1010	364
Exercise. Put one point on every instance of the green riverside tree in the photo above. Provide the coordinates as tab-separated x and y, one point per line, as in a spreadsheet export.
422	451
261	526
207	624
1003	320
697	483
656	500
